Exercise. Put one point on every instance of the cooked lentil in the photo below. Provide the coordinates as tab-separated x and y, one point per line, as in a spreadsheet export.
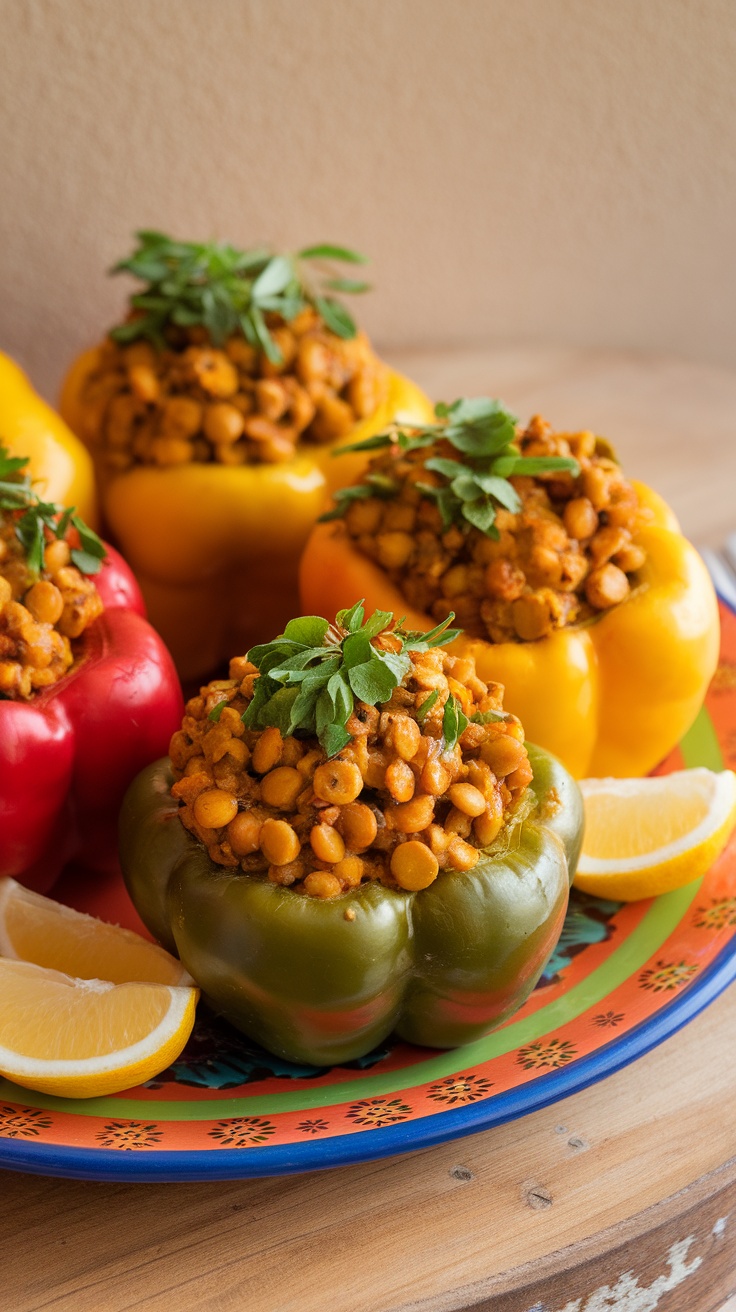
40	617
394	805
566	555
231	406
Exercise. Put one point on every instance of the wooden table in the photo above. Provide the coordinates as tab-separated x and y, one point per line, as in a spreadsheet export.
622	1198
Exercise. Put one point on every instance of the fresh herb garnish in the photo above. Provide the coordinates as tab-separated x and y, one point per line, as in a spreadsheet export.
229	291
484	433
423	711
454	721
490	717
311	675
16	494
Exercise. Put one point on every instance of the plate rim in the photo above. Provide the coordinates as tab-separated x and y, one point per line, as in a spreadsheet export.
213	1164
270	1160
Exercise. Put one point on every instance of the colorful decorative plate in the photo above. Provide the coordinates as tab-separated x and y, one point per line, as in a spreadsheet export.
622	979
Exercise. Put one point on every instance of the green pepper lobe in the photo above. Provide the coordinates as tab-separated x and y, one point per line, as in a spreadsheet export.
441	967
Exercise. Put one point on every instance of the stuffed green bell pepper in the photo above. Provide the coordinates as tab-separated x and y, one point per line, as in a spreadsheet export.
350	838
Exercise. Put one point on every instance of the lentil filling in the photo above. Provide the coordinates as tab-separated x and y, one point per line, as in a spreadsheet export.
567	553
46	602
192	401
228	356
395	804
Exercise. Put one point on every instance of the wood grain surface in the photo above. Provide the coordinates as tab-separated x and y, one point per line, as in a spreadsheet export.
621	1198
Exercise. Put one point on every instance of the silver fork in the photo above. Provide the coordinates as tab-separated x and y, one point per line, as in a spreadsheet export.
722	568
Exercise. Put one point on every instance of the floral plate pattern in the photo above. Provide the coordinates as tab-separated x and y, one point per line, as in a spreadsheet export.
623	978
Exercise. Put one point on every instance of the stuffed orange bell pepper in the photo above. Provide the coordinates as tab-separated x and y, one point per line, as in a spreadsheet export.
58	463
574	586
210	414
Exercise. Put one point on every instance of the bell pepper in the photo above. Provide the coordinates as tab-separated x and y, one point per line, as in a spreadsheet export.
59	463
441	967
215	547
611	696
68	755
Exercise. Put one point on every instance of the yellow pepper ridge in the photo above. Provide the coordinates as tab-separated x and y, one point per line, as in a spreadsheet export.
59	465
215	548
609	697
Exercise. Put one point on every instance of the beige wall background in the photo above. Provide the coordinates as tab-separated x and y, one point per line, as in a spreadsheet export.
555	171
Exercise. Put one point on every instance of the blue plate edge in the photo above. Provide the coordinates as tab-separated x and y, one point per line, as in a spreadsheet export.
353	1149
106	1165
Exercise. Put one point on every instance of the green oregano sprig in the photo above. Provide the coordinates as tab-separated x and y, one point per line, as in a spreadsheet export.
229	291
311	676
490	717
454	721
16	494
423	711
483	432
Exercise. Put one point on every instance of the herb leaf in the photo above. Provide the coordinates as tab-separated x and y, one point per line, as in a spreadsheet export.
426	706
328	252
229	291
490	717
275	278
352	619
454	722
337	318
278	709
29	530
482	515
92	554
483	432
376	485
441	634
16	493
350	285
312	673
310	630
373	681
368	444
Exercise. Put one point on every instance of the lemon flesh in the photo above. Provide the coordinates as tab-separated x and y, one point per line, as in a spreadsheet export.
38	929
644	837
86	1038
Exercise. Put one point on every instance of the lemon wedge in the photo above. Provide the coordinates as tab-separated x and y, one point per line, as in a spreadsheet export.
35	928
644	837
86	1038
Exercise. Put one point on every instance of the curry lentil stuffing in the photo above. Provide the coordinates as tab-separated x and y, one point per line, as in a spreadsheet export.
566	555
394	805
40	614
193	401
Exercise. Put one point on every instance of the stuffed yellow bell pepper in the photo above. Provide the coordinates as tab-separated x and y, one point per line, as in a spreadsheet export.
574	586
210	414
58	463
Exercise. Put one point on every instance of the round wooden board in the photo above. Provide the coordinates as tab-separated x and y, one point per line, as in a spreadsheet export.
622	1198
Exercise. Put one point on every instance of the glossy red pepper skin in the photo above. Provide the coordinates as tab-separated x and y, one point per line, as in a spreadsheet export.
67	756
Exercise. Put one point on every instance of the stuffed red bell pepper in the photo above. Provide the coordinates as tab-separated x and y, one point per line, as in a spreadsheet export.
88	691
